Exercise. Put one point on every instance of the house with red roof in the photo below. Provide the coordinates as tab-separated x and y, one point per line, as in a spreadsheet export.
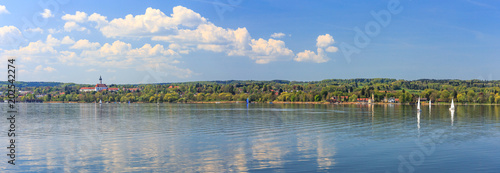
87	89
113	89
131	89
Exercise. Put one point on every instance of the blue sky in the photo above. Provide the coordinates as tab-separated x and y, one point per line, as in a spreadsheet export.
201	40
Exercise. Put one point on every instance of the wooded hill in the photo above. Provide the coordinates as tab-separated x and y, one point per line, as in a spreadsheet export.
467	91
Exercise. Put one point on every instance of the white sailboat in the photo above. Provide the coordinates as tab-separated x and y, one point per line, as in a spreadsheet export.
100	102
430	103
418	105
452	107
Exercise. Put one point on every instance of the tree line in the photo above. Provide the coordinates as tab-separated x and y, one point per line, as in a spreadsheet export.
406	91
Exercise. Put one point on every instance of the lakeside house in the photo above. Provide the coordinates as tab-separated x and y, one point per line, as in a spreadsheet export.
368	100
392	100
23	93
112	89
339	98
363	99
87	89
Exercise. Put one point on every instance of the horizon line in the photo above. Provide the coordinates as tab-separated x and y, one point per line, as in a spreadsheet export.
261	80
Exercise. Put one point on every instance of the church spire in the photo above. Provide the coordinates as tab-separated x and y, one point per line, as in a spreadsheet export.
100	79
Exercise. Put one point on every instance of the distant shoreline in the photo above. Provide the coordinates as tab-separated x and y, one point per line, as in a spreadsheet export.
281	102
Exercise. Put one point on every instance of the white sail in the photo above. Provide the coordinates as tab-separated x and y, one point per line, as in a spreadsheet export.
430	103
100	102
418	104
452	107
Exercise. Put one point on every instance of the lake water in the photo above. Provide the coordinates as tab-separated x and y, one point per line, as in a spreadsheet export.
257	138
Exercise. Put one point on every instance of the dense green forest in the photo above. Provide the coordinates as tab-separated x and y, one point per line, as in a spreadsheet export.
464	91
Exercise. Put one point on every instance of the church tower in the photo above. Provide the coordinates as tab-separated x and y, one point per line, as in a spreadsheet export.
100	80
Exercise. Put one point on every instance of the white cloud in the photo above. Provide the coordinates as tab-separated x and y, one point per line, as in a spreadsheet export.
212	47
70	26
10	35
100	20
110	55
310	56
186	30
180	49
323	43
53	31
40	30
148	51
265	51
3	10
163	69
51	41
36	52
332	49
67	40
90	70
38	68
33	48
211	37
117	48
85	44
123	55
67	57
153	21
23	72
49	69
79	17
46	13
278	35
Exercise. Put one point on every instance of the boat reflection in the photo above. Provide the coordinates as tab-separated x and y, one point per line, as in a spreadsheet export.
452	115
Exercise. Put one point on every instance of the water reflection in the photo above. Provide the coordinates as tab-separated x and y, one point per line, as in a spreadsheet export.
418	120
237	138
452	116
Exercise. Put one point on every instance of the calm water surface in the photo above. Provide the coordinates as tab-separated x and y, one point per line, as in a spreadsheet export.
257	138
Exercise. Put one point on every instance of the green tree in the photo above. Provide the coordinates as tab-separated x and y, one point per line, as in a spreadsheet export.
353	98
317	98
461	98
497	98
